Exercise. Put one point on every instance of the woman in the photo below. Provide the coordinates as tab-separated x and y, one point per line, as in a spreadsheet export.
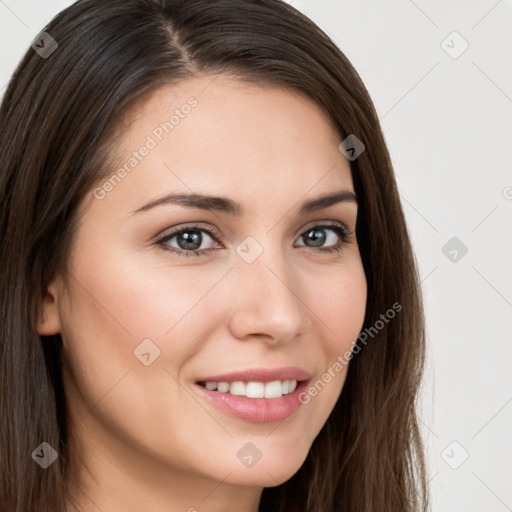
211	298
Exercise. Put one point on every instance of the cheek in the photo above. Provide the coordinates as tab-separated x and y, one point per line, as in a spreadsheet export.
339	309
114	307
134	296
338	301
116	304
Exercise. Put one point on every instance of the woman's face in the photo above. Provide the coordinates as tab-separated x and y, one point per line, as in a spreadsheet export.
145	319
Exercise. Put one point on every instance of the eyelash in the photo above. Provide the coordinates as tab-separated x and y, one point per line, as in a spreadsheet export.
339	229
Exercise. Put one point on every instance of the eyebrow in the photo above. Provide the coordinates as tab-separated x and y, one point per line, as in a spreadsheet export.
226	205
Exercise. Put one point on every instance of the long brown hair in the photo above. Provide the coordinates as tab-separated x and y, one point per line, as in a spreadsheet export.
58	117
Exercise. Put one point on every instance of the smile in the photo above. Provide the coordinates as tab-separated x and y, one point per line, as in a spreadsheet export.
253	389
258	395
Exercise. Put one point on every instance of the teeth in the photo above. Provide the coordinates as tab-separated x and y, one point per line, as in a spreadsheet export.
223	387
276	388
255	390
237	388
273	389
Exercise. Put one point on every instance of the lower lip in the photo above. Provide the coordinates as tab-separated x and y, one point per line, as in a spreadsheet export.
256	410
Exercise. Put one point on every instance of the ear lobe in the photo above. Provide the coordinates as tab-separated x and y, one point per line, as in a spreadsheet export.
49	320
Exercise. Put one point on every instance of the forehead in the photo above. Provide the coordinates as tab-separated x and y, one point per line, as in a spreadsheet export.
218	134
230	96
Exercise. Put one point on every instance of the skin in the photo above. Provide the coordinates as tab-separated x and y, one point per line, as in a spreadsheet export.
141	436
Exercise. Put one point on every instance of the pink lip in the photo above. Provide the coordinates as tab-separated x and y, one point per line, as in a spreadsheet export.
260	375
256	410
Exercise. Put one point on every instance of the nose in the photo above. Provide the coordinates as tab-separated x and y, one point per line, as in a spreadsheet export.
269	302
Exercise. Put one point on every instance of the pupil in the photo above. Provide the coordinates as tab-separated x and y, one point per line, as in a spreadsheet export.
190	239
317	236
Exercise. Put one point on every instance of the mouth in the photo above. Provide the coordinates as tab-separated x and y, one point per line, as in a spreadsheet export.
256	395
252	389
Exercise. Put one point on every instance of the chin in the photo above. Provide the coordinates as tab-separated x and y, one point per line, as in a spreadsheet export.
269	471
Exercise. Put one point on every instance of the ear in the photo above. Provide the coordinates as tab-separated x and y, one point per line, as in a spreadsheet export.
49	320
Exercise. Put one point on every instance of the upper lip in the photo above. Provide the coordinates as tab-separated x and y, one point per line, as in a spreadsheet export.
260	375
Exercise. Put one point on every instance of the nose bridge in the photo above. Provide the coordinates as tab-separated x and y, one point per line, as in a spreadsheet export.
268	300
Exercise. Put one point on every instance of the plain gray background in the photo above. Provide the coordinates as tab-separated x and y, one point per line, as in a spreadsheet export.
446	114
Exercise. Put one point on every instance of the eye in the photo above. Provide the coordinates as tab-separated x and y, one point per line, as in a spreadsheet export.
319	235
188	240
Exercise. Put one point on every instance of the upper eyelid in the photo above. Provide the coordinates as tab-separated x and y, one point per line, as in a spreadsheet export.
176	231
326	223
